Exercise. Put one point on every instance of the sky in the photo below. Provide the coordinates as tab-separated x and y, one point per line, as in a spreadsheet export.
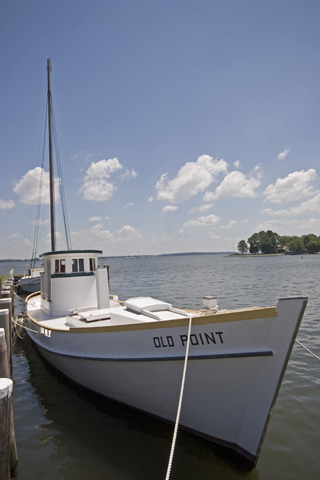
182	125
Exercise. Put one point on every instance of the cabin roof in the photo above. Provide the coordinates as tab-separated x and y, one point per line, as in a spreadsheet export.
70	252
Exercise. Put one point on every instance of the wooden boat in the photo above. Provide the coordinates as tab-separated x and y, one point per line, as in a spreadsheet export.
134	351
30	283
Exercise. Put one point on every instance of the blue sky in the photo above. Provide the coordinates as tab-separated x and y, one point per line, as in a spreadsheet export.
182	125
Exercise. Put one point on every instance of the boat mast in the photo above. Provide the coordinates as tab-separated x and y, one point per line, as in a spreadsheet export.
53	235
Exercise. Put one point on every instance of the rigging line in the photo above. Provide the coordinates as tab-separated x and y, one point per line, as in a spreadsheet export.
303	346
180	403
62	194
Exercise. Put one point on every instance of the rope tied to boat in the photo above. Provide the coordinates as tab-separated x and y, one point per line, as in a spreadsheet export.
21	325
308	350
175	432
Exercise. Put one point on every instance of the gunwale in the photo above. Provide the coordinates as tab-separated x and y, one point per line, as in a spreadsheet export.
252	313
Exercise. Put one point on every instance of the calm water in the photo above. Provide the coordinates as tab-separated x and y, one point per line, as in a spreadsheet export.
64	432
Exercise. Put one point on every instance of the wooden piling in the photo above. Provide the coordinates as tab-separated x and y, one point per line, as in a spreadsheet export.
7	304
8	449
4	362
4	293
6	386
6	325
10	439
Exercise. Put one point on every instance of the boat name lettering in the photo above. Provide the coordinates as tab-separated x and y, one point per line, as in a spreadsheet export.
163	341
195	339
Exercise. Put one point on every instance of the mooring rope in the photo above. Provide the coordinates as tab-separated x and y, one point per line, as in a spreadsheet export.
23	326
21	298
303	346
180	403
16	330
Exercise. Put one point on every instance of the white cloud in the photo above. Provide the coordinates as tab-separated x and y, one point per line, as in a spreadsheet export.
192	178
293	187
130	204
40	222
237	164
127	232
14	235
96	184
283	154
236	184
95	219
150	199
93	236
169	208
209	221
312	205
202	208
28	187
128	174
233	223
291	227
96	235
6	204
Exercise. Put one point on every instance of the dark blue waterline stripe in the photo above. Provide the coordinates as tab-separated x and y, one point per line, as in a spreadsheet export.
266	353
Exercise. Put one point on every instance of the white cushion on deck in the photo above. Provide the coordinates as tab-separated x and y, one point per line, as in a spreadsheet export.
138	304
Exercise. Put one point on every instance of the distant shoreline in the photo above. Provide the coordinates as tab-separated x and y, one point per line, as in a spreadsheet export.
129	256
229	254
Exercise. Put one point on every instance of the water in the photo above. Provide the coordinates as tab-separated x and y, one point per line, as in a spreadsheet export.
64	432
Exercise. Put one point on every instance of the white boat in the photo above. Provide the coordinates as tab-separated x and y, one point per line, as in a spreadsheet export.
134	351
30	283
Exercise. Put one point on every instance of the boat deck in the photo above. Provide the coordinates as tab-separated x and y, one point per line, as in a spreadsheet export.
117	314
132	312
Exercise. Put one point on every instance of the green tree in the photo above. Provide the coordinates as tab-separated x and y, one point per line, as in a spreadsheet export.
311	243
296	245
243	246
268	241
254	243
313	246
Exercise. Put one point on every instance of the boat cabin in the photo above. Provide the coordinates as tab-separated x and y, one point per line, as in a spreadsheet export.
72	280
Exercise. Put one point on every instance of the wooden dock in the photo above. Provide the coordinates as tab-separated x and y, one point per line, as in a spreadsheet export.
8	450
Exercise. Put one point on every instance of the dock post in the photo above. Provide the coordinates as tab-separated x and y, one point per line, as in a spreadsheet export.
6	386
7	417
6	325
5	293
6	303
4	362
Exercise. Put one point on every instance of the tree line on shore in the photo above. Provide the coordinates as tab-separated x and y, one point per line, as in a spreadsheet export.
271	242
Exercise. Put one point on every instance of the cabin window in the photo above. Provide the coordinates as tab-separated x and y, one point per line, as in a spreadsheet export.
92	262
60	265
77	265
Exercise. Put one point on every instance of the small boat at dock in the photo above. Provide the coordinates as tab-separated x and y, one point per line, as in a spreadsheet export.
134	351
30	283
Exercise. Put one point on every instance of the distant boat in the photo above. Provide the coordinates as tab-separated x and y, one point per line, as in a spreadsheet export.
30	283
134	351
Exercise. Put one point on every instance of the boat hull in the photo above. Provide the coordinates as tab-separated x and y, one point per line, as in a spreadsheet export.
29	285
235	367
